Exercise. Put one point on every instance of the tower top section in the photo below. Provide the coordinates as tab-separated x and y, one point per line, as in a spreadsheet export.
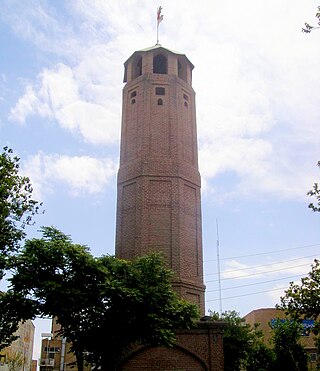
158	60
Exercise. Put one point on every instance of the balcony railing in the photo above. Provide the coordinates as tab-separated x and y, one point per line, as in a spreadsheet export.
49	362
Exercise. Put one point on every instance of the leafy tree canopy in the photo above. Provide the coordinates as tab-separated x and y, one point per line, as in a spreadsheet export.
315	192
243	344
104	305
16	206
289	352
303	300
308	28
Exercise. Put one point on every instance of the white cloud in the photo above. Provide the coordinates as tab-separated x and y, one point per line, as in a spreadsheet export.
237	270
83	175
257	104
58	95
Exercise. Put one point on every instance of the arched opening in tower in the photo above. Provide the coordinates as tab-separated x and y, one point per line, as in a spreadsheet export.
160	64
137	67
182	70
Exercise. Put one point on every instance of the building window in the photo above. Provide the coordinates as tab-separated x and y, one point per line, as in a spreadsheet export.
182	69
52	349
186	104
133	101
185	97
137	67
160	64
313	357
160	102
160	91
133	94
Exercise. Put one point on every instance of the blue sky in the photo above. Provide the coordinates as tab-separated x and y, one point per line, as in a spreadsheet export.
257	83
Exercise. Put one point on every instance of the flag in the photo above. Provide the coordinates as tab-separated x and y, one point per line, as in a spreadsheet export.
159	15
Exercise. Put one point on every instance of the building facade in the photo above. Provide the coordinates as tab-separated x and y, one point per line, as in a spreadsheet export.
18	355
266	316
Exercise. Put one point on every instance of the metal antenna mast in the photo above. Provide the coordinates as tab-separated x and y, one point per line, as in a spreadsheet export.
219	275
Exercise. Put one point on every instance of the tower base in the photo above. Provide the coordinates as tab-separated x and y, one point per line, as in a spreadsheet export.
199	349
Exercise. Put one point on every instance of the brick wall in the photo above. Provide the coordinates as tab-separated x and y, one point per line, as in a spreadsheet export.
159	206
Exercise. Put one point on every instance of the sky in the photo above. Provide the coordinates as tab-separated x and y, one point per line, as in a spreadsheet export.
257	86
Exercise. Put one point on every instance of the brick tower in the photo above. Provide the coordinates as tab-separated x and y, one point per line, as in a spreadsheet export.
158	206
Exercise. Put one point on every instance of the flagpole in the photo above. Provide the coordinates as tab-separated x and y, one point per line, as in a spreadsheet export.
159	19
157	32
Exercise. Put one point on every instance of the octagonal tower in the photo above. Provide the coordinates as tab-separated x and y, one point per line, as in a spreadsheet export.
158	205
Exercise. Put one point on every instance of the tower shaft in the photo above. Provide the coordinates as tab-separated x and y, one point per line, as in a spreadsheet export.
159	206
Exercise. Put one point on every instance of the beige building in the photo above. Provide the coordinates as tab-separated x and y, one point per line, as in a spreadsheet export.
18	356
55	352
266	316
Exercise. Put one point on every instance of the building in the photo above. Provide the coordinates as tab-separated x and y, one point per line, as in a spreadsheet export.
265	317
55	352
158	204
19	354
159	207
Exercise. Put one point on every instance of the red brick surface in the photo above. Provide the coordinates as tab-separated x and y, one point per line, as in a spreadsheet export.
159	207
195	350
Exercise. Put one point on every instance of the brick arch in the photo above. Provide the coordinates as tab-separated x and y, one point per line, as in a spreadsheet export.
158	359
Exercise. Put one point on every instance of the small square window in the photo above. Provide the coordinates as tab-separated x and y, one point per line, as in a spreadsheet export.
313	357
160	102
186	97
133	94
160	91
133	101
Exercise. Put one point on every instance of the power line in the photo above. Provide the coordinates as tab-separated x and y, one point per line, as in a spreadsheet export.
252	293
264	253
263	265
253	284
259	273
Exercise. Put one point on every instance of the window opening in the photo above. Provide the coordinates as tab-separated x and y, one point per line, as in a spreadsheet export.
137	67
182	70
160	91
186	104
313	357
160	102
133	94
160	64
133	101
186	97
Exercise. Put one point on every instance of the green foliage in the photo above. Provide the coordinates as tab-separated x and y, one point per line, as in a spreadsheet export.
14	308
243	345
315	192
290	354
308	28
104	305
303	300
16	206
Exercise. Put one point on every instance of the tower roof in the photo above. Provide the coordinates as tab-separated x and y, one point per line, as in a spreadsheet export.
159	48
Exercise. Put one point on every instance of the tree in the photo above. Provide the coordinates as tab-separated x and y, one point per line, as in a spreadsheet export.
290	354
303	300
243	344
104	305
16	206
308	28
14	359
315	192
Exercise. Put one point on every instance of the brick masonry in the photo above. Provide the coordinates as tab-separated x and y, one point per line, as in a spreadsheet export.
159	204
